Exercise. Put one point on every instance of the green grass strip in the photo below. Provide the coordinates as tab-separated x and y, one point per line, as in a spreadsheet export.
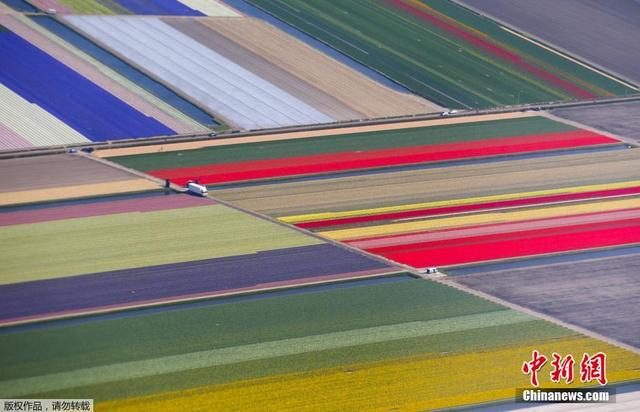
96	244
87	6
202	359
420	136
114	6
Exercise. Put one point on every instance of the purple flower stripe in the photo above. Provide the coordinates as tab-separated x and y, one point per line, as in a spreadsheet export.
156	284
146	204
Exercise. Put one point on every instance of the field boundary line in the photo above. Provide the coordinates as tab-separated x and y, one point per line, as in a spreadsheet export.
125	169
488	264
154	143
591	66
627	140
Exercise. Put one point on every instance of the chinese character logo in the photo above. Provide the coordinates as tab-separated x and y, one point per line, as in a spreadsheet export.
562	368
532	367
593	368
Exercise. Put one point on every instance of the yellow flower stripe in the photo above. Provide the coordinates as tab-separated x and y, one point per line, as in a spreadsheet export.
482	219
414	383
456	202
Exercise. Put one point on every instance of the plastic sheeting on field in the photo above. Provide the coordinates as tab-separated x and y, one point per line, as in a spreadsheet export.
221	85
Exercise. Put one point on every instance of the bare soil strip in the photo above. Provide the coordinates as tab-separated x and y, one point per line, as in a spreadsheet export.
55	177
42	172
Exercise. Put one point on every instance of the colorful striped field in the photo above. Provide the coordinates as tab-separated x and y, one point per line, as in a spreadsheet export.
414	383
336	162
327	83
230	67
444	52
387	191
329	154
524	243
347	339
130	240
18	216
297	283
464	205
495	217
99	73
151	249
111	99
90	111
179	301
305	134
457	236
193	280
456	217
496	228
117	69
517	232
467	214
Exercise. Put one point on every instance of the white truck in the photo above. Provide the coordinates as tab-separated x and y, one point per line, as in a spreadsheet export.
448	113
197	189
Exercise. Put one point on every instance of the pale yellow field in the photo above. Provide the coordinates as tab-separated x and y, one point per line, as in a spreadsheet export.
72	192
